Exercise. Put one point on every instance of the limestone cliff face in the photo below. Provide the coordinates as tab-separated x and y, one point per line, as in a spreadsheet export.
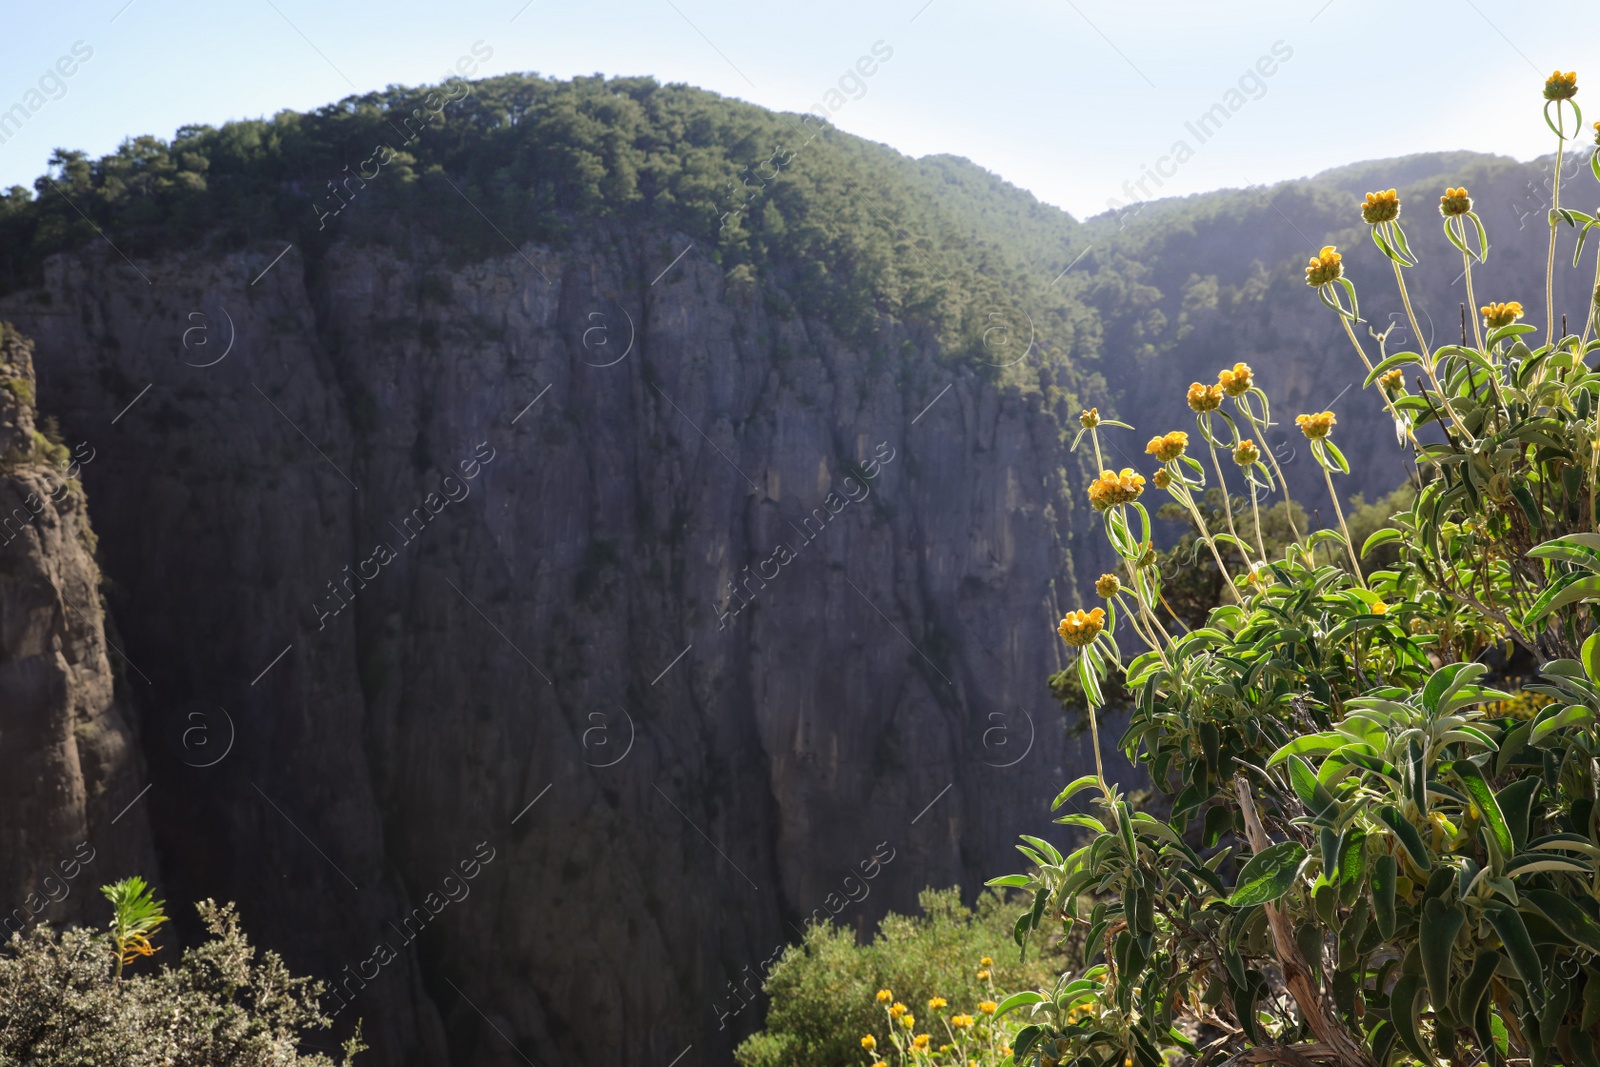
72	762
579	632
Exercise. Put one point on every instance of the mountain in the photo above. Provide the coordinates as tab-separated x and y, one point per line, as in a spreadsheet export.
657	507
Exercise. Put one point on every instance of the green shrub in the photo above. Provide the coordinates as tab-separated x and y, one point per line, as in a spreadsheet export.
823	990
61	1004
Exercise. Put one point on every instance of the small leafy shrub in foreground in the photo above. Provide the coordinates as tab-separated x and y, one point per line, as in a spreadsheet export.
825	991
63	1004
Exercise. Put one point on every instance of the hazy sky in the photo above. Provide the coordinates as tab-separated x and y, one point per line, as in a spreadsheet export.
1067	98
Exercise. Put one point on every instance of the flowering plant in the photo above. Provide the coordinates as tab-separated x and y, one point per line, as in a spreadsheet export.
1383	842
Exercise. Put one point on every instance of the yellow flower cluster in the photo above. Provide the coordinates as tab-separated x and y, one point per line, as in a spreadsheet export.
1561	86
1089	419
960	1022
1081	627
935	1003
1108	586
897	1010
920	1041
1324	268
908	1020
1169	446
1204	397
1498	315
1380	608
1455	202
986	962
1109	490
884	996
1394	381
869	1042
1381	206
988	1007
1236	382
1315	427
1161	479
1247	453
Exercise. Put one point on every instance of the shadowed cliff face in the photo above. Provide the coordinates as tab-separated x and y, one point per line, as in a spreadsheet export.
580	628
73	768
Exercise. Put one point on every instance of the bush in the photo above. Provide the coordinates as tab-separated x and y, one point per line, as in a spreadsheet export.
1378	851
823	991
61	1006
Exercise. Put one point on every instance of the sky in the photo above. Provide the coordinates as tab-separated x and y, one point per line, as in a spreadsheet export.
1074	100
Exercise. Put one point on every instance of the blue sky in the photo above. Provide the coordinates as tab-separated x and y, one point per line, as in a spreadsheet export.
1067	98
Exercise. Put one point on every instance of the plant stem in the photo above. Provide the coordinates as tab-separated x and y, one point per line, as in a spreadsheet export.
1550	260
1348	544
1255	510
1472	301
1427	357
1261	432
1227	508
1199	521
1388	401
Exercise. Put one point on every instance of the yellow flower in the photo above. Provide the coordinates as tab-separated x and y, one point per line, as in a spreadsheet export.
1108	586
1381	206
961	1022
880	1063
1109	489
1455	202
920	1041
935	1003
1205	397
983	976
1394	381
1561	86
869	1042
1168	447
1324	268
1080	627
1161	478
1236	382
884	996
908	1021
1089	419
986	961
1247	453
1597	133
1315	427
898	1010
1380	608
1497	315
988	1007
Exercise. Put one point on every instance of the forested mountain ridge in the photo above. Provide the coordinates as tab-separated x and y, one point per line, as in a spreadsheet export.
779	503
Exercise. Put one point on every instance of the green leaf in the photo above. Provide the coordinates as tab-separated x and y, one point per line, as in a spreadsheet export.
1384	872
1312	793
1478	789
1075	787
1438	929
1329	741
1568	716
1016	881
1269	875
1567	917
1407	835
1590	656
1470	993
1018	1000
1585	587
1519	946
1382	537
1407	1022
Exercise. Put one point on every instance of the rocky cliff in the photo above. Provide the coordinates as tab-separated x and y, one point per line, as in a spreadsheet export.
670	616
74	772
